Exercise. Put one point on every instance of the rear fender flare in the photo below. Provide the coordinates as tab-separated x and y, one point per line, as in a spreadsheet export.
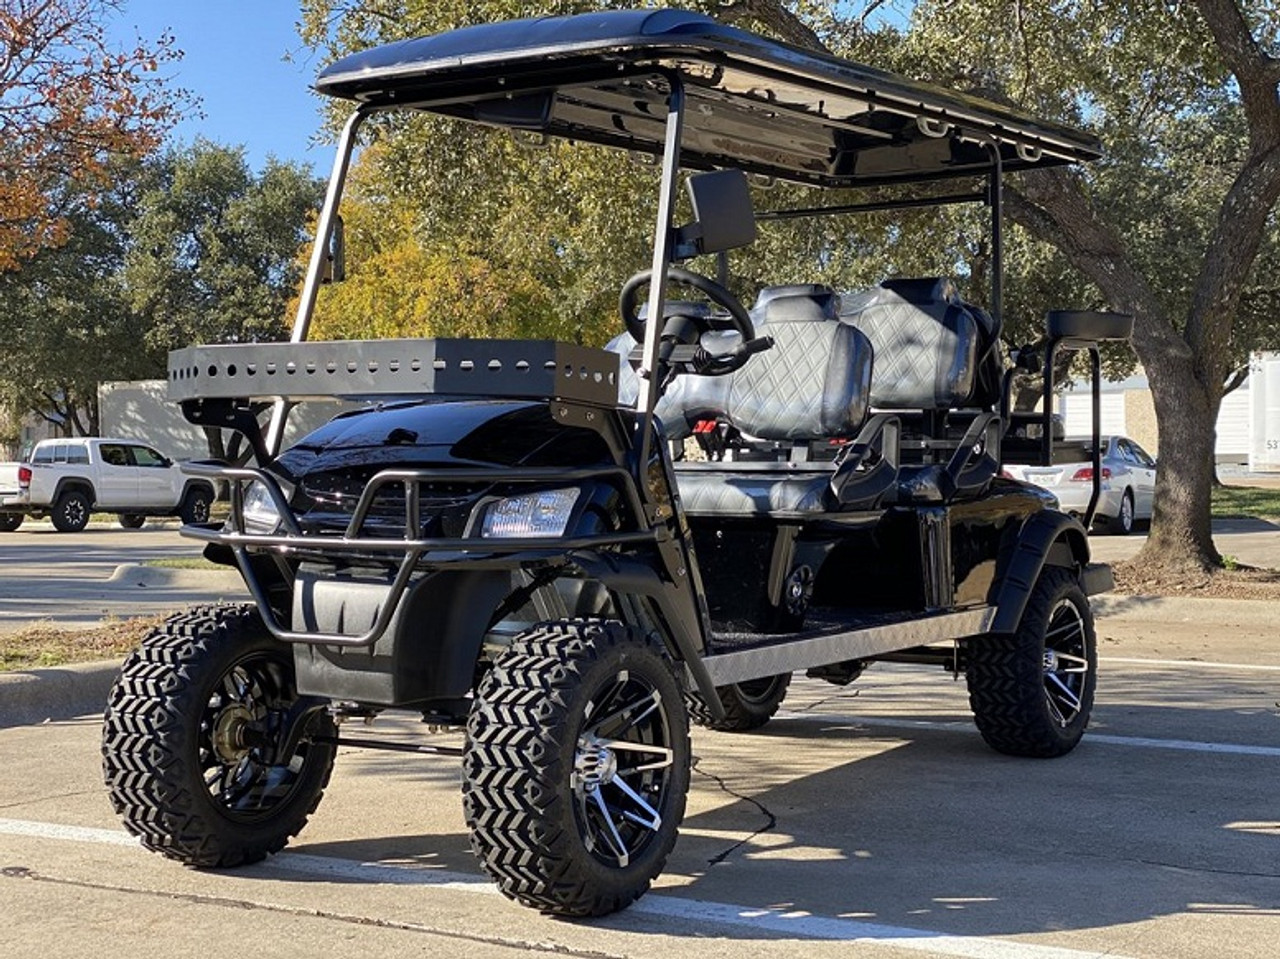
69	483
1045	538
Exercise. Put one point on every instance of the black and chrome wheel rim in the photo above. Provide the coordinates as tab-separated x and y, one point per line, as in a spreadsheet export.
1066	663
242	728
622	769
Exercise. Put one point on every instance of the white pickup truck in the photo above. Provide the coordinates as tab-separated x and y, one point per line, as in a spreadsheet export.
69	479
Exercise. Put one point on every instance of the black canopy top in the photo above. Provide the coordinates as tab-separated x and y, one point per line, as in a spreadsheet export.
753	103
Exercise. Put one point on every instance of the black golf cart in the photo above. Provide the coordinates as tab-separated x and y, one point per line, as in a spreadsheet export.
570	551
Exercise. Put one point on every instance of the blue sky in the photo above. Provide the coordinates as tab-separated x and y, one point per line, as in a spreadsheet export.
234	62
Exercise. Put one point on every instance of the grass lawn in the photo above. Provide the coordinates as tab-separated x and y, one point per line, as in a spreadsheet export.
46	644
1255	501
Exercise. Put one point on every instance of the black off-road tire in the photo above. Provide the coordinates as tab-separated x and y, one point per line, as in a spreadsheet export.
10	522
195	505
175	723
1032	691
747	706
71	512
562	718
131	520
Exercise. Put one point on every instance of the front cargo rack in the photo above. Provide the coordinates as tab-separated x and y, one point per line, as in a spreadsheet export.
372	369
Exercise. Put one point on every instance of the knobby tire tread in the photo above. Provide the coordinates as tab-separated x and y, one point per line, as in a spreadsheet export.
154	785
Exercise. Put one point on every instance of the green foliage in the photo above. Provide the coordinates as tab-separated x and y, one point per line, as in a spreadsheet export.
213	251
186	247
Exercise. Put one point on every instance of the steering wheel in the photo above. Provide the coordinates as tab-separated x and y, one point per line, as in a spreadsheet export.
715	365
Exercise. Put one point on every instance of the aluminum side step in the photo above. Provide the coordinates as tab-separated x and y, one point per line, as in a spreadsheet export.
790	652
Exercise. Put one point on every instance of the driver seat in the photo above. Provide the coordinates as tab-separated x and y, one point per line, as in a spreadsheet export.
813	384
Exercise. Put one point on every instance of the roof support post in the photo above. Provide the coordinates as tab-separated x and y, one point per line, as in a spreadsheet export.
319	257
663	242
995	194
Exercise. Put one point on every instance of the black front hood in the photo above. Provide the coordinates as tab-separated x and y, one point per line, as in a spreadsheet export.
444	433
330	468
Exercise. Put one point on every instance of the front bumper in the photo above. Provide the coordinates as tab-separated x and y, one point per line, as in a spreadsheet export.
404	557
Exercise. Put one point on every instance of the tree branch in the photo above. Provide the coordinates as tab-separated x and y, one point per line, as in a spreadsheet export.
1255	71
776	18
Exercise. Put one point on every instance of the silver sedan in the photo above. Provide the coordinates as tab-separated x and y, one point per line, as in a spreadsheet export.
1128	482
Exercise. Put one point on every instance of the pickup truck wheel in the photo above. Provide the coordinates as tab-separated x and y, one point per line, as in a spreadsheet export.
131	520
576	767
195	507
202	753
1032	691
747	706
71	512
10	522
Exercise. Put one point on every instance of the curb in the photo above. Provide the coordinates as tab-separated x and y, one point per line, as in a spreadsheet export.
35	696
137	574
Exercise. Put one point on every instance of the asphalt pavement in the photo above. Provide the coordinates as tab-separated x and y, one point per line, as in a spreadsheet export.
80	579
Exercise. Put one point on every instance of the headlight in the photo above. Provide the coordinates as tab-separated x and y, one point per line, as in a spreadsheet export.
544	513
260	513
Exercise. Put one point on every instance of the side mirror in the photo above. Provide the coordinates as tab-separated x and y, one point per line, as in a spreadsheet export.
335	263
723	218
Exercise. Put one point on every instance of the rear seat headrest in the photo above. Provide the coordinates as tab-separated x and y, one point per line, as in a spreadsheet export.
929	289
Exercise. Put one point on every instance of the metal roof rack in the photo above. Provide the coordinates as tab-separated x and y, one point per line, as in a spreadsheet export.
374	369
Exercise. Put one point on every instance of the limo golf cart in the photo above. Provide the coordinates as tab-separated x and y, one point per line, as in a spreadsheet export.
569	551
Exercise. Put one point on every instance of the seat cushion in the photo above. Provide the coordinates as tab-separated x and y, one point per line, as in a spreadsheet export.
730	493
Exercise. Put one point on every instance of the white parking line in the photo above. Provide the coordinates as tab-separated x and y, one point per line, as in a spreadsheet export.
797	925
958	726
1189	664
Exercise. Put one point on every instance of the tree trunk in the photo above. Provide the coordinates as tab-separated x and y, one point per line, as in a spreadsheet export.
1181	537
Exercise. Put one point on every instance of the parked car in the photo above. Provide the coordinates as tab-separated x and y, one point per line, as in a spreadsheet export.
1128	482
70	479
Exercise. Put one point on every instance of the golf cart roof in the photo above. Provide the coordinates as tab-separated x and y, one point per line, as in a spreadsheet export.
752	103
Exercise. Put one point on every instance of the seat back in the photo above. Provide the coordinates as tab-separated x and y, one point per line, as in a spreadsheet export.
927	343
814	383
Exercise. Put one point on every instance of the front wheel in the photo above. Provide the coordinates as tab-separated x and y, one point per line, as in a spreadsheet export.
1032	691
10	522
131	520
747	706
209	755
576	767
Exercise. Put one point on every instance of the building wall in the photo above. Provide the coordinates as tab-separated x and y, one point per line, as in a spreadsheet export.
140	411
1127	408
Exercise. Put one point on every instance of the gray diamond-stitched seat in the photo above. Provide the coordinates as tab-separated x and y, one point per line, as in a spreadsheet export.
926	343
814	383
934	354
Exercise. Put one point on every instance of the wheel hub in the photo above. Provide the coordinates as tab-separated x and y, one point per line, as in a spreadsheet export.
595	764
1051	661
230	734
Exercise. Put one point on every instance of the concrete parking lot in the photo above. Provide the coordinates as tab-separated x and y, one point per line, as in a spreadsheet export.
865	821
76	579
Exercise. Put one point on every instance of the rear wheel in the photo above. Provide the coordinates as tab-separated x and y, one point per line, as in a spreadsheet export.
1032	691
71	512
202	751
195	506
131	520
10	522
747	706
576	767
1122	525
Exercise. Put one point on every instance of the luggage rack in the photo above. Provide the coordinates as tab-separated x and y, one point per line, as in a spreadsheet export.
373	369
